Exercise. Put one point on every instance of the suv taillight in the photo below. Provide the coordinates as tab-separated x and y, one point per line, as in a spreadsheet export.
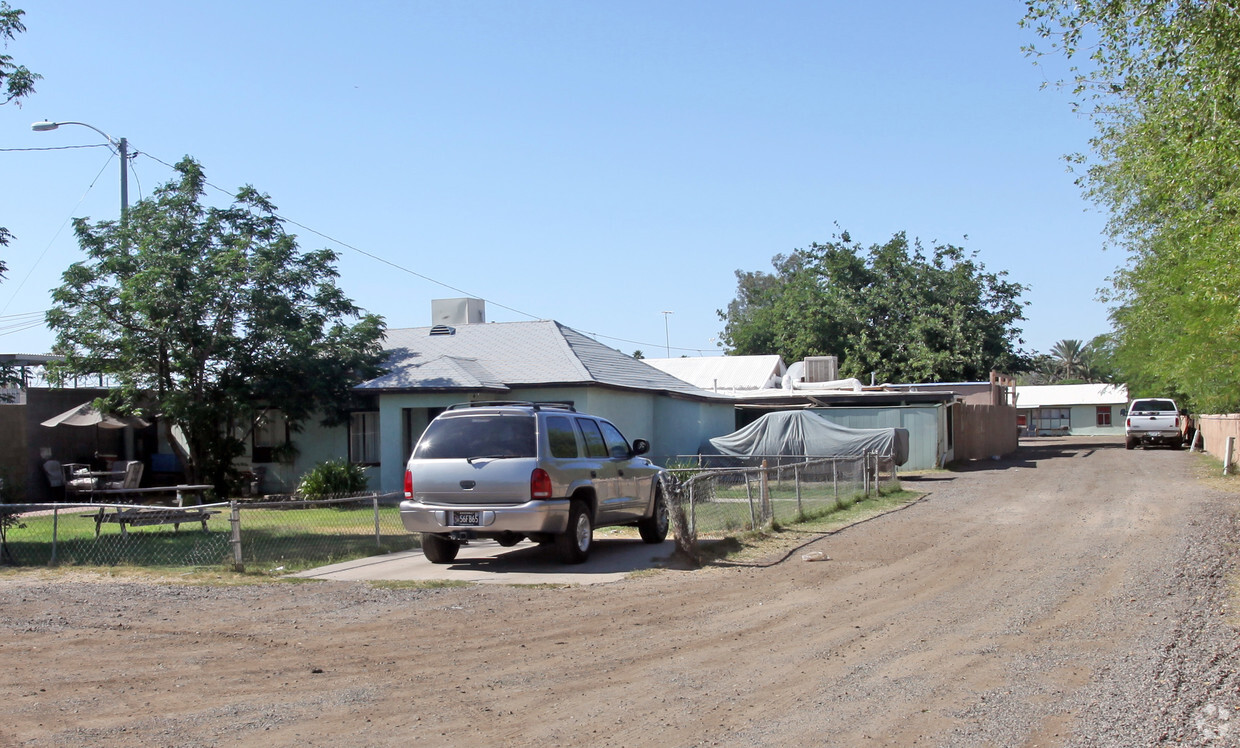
540	484
408	485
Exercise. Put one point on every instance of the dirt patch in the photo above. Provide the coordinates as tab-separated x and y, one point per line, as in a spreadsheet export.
1074	595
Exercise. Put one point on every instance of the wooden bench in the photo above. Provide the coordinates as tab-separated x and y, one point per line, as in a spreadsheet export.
179	490
141	516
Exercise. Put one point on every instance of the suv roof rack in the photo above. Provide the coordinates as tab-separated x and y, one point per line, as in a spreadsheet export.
514	403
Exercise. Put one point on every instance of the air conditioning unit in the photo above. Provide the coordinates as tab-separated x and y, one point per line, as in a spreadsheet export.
822	368
458	312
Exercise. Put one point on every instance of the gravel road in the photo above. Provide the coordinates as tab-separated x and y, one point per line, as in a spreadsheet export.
1077	594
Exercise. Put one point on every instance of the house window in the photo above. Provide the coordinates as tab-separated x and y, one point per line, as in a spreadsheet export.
269	434
1052	420
364	438
1104	415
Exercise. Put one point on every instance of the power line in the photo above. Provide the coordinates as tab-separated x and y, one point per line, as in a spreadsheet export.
55	148
55	236
400	267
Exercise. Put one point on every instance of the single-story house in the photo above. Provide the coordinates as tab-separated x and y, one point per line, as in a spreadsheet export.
467	359
1071	409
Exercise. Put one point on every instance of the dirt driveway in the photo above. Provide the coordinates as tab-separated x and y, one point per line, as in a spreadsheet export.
1074	595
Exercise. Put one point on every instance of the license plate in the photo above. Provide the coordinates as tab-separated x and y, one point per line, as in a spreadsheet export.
465	519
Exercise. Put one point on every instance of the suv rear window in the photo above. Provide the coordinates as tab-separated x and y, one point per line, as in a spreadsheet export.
561	437
463	437
1147	405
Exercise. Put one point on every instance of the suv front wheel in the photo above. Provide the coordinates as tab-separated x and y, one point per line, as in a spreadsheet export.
573	545
653	529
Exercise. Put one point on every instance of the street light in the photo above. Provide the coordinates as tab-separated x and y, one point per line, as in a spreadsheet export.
121	145
667	336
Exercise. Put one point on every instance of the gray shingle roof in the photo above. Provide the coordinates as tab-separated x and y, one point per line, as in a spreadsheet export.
501	355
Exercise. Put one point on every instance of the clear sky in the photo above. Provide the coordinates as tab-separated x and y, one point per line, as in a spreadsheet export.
593	163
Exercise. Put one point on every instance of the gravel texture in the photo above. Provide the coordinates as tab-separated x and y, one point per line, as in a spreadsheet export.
1075	595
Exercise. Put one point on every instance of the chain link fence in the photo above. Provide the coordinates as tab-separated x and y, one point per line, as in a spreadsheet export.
717	496
709	497
278	534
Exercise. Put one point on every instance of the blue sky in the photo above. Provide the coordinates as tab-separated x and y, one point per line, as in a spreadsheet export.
594	163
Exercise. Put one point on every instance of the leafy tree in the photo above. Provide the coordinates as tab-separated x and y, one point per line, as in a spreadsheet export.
890	309
16	82
1161	80
208	317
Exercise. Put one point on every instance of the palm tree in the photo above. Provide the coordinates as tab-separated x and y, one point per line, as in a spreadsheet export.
1070	359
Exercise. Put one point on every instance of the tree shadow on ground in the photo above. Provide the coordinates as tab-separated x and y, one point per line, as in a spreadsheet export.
1031	451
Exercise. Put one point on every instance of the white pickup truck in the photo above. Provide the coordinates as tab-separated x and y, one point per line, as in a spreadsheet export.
1154	420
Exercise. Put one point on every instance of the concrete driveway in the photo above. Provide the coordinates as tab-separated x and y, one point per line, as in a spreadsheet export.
486	562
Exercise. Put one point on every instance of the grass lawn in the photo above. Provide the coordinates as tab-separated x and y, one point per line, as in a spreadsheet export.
294	539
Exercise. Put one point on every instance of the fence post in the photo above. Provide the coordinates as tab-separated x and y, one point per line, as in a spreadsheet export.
796	480
1227	463
55	530
753	512
835	479
374	500
865	474
692	511
764	492
234	519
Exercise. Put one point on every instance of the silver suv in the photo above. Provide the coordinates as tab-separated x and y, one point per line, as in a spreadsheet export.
515	470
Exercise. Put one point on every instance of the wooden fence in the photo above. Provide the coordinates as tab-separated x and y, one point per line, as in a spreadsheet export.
983	431
1214	432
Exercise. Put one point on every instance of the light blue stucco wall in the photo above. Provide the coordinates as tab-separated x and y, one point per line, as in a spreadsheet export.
1083	421
315	443
683	426
926	424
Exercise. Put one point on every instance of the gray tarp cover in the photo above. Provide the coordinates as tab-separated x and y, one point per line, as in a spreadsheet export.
801	432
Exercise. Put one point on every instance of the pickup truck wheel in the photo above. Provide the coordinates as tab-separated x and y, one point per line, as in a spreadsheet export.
438	549
653	529
573	545
1129	443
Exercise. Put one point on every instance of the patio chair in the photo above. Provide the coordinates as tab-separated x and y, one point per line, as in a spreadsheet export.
131	478
66	478
55	473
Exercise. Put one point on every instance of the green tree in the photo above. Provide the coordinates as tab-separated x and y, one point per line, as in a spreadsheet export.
16	82
1069	358
207	317
1161	80
890	309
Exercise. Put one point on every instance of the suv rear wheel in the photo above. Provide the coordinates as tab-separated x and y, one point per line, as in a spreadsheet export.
573	545
438	549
